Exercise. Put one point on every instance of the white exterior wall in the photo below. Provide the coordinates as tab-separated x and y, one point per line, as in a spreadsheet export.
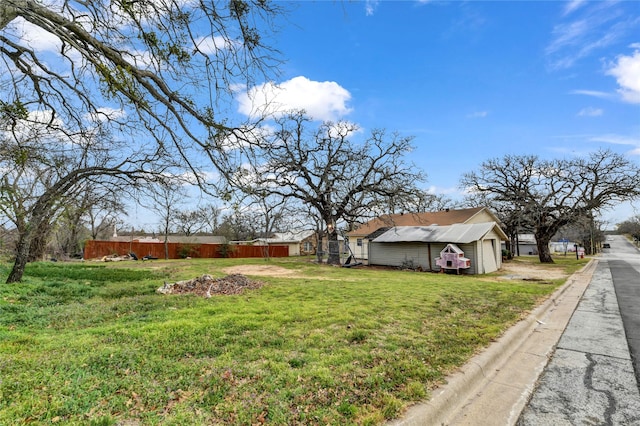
497	244
294	247
360	252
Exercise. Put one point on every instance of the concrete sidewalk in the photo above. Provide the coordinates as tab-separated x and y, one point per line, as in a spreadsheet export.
494	387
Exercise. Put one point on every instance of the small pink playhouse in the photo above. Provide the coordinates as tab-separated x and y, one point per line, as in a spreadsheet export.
451	257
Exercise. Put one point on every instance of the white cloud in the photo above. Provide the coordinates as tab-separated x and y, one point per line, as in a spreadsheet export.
371	6
322	100
441	190
627	73
597	25
590	112
594	93
211	45
40	126
572	6
615	139
107	113
567	34
35	37
478	114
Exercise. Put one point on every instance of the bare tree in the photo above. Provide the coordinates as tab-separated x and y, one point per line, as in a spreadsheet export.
413	200
327	171
189	222
164	198
160	66
239	224
93	213
43	165
104	213
549	194
272	213
211	217
631	227
510	217
155	72
587	232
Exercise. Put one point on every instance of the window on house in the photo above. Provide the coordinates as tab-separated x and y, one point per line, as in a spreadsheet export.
308	246
359	242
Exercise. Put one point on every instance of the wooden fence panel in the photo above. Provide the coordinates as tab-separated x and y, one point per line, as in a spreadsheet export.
95	249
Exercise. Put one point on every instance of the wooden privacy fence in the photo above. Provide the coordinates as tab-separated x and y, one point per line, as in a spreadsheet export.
94	249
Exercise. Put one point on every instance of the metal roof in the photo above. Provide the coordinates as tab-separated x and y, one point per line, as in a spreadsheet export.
460	233
442	217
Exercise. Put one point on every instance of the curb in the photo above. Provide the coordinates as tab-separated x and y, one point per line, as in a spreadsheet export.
463	385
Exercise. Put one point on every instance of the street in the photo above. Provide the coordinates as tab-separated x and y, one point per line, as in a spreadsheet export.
624	262
590	378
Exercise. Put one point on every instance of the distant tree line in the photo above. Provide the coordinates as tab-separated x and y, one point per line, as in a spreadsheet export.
630	227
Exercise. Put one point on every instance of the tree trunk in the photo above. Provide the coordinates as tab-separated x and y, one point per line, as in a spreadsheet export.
542	242
39	240
319	251
166	247
334	248
22	257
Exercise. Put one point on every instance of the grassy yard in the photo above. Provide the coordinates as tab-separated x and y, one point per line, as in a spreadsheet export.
95	344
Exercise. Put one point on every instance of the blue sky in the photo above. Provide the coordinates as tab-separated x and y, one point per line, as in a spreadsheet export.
471	80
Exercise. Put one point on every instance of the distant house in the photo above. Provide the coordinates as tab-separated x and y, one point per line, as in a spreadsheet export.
526	245
421	246
300	243
359	239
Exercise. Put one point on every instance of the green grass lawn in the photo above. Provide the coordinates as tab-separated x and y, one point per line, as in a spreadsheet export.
87	343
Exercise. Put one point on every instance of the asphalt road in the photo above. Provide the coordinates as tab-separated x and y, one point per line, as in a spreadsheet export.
624	262
590	379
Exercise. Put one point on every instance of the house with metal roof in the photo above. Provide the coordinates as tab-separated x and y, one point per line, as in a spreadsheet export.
421	246
360	238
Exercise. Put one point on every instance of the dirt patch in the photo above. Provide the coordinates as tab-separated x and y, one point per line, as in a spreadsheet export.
518	271
261	270
509	271
207	286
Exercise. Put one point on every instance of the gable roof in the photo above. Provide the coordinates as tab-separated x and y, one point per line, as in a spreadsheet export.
442	217
459	233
